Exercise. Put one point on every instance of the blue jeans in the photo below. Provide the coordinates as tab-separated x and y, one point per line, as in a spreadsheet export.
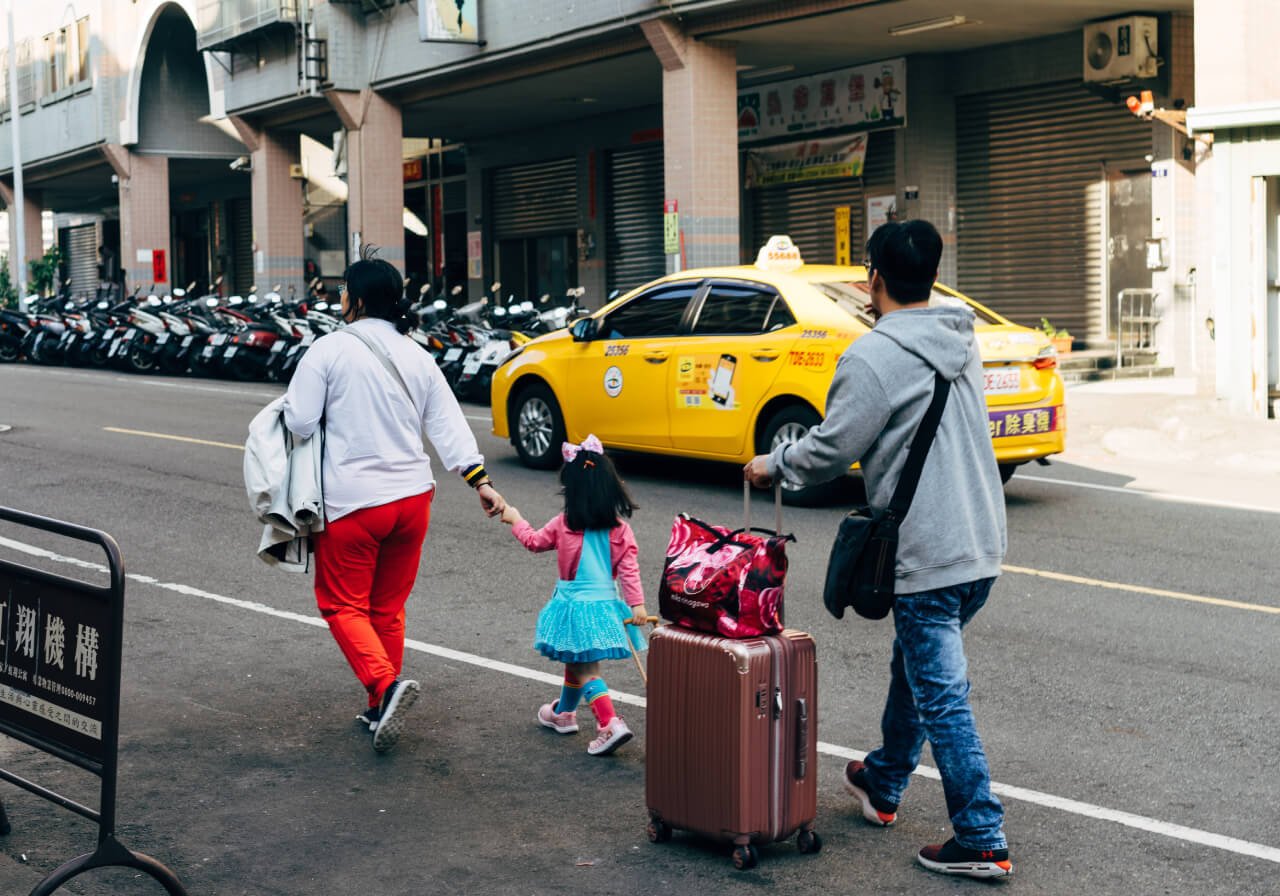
929	697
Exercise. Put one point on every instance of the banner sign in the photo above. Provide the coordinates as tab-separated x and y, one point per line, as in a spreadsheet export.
811	160
862	98
455	21
670	227
55	665
844	248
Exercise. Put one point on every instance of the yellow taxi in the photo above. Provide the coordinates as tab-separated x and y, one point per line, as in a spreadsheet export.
726	363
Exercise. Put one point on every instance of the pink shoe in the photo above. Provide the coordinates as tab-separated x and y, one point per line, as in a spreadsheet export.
559	722
610	737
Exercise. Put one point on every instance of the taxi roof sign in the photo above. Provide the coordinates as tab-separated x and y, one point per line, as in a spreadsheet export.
779	254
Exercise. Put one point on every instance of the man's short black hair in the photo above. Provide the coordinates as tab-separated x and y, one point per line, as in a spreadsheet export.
906	253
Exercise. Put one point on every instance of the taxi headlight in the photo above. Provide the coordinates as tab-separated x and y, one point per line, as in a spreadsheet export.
511	357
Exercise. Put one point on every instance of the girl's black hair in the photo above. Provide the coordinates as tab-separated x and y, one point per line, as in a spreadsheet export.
381	288
594	496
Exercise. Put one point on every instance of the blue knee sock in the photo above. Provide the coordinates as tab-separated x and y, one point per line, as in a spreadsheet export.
593	689
570	694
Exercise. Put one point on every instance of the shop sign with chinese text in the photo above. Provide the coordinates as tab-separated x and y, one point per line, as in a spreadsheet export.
862	98
805	161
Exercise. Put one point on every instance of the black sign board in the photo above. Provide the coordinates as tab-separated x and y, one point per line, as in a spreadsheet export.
54	663
60	686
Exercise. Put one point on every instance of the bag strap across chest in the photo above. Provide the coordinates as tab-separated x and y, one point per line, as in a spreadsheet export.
905	491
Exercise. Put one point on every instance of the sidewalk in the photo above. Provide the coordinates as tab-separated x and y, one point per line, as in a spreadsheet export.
1170	439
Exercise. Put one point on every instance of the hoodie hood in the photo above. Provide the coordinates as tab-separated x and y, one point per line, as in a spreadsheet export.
941	337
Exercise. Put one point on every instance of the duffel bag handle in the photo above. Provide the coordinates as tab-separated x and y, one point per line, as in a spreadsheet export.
777	507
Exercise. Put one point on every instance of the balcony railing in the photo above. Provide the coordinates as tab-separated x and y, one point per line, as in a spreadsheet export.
222	22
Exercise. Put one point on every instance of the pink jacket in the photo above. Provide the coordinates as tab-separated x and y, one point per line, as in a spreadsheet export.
568	544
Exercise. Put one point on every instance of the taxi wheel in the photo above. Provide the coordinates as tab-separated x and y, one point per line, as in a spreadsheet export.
1006	472
538	428
790	425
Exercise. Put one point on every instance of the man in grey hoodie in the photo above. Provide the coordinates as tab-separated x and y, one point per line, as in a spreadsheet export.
951	542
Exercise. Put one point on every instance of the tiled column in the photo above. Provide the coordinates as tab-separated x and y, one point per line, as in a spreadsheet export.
277	208
144	214
375	172
700	141
32	227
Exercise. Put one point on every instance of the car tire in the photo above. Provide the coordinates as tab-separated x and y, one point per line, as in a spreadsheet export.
789	425
1006	472
537	427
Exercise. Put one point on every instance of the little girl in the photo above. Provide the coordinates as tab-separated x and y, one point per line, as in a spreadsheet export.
584	622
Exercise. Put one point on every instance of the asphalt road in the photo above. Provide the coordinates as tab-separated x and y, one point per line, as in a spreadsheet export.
1126	698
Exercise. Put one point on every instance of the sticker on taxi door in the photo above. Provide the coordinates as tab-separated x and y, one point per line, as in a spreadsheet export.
706	381
613	382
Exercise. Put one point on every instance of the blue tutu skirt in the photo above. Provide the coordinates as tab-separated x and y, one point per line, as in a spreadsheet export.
585	625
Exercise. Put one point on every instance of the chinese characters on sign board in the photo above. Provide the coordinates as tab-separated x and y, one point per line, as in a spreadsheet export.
1021	423
864	98
448	20
809	160
53	663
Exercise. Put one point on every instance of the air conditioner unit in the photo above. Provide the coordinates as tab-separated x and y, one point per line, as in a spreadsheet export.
1120	49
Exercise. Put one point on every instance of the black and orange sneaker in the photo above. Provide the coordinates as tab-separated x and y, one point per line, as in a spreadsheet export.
952	858
875	810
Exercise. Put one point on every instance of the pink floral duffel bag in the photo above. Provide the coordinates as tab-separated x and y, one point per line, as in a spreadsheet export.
724	581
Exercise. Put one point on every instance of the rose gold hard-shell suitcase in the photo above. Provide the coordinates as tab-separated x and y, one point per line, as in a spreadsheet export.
731	738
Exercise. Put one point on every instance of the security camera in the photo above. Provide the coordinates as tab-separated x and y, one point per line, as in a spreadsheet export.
241	164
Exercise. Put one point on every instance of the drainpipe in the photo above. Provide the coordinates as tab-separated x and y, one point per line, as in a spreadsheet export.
18	214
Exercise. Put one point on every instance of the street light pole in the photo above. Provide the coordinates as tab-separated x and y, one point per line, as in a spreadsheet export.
17	216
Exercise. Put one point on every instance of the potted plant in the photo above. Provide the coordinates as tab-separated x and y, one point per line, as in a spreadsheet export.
1061	339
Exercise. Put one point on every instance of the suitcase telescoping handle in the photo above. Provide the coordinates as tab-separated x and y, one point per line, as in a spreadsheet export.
777	506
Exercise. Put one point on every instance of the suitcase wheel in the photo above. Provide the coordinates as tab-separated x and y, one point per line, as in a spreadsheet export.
809	842
659	831
745	857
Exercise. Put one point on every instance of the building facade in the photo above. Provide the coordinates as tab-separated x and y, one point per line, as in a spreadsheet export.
518	150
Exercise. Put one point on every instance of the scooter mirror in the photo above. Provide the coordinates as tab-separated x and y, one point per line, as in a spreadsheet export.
218	282
496	286
426	288
456	291
440	304
546	297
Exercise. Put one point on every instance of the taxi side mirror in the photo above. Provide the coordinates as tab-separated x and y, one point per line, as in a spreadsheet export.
585	330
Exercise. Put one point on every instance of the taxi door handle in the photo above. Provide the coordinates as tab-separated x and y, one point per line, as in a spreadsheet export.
655	357
766	354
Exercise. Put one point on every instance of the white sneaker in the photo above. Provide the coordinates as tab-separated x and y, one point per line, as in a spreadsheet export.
610	737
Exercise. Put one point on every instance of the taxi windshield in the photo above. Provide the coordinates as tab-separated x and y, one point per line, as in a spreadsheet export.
854	296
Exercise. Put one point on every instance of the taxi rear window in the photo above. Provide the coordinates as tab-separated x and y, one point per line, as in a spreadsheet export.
853	296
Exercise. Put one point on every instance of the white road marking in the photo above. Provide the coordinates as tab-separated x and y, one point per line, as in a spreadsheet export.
249	390
1155	496
1036	797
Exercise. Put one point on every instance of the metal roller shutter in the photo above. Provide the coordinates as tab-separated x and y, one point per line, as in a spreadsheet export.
635	217
806	211
240	215
535	199
82	261
1029	193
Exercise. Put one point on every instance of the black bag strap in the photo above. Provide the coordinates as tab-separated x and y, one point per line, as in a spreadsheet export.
920	445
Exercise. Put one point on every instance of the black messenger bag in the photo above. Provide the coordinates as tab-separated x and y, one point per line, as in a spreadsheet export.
860	573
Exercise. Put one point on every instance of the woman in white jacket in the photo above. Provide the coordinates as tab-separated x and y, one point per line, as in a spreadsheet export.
375	402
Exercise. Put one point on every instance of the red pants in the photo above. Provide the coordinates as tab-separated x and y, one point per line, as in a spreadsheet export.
366	563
